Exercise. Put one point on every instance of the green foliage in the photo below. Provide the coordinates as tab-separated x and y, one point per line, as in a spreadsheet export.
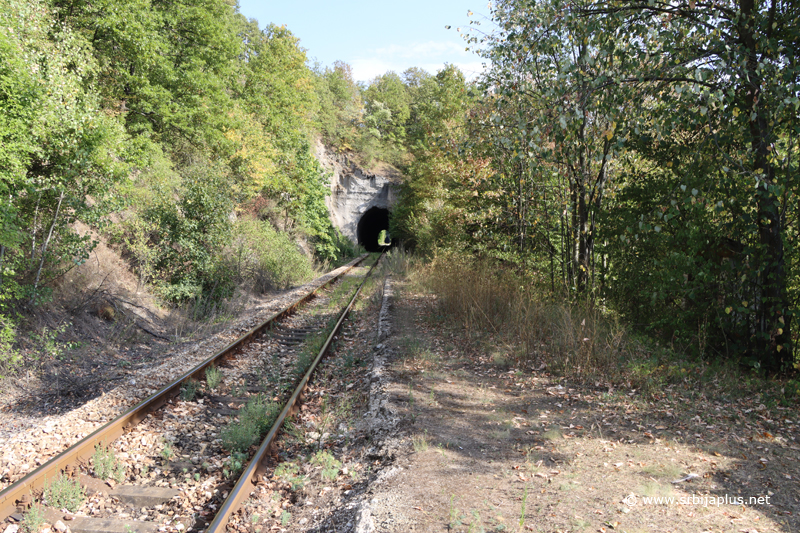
340	107
255	419
57	149
189	235
167	451
265	257
290	472
189	390
33	518
64	493
106	465
213	377
328	463
616	157
234	464
387	107
9	357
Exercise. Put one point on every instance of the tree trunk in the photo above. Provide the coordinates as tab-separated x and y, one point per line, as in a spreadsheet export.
44	247
773	340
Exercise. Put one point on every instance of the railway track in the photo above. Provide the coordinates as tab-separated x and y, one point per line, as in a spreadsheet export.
198	438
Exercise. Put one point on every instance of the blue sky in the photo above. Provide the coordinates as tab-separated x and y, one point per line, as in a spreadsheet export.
374	37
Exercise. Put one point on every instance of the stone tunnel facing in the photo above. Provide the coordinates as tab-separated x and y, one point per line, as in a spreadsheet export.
370	226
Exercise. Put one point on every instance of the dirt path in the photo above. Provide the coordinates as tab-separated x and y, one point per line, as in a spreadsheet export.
487	447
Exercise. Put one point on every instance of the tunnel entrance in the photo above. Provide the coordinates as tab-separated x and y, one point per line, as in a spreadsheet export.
370	225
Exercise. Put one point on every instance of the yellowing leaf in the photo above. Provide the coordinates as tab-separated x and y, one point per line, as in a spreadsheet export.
728	310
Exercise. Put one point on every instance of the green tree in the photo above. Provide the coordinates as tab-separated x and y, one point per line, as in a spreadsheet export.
340	107
387	107
730	73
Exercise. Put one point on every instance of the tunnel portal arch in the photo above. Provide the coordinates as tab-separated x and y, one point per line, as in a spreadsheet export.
370	225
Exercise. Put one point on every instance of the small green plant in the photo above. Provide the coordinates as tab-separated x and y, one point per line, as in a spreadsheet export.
64	493
213	377
106	465
189	390
255	419
522	510
197	476
286	516
420	443
330	466
290	473
33	519
167	452
455	515
475	524
294	431
234	464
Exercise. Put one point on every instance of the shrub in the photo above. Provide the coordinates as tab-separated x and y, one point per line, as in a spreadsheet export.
64	493
34	519
255	419
265	258
213	377
189	390
106	465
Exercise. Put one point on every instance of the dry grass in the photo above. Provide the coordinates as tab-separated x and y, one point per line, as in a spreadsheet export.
581	341
575	340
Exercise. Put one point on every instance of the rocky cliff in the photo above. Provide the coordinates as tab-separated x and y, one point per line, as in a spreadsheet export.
359	202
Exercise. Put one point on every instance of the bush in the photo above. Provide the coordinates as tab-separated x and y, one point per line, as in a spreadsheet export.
106	465
64	493
266	258
9	358
255	419
34	519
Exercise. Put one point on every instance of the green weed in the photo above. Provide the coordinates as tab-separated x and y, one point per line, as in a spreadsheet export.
33	518
189	390
106	465
330	465
290	473
213	377
64	493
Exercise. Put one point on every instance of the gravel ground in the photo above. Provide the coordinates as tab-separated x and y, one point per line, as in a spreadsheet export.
28	440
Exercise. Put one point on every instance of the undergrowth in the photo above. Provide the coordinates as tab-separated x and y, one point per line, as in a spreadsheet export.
581	341
255	419
64	493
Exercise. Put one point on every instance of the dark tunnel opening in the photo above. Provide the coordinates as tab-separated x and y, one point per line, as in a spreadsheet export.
369	228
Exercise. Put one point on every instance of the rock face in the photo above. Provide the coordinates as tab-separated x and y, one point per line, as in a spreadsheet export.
359	202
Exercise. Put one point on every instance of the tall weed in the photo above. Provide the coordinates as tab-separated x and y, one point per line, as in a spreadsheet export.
265	258
577	340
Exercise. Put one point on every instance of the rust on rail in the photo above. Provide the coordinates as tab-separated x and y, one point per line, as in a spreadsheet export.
18	494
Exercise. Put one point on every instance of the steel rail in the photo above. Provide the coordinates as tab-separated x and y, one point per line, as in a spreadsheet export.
79	453
257	465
